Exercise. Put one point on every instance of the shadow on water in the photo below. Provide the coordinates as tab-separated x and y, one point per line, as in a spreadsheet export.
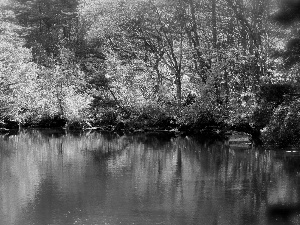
291	159
155	140
47	133
60	177
287	211
283	213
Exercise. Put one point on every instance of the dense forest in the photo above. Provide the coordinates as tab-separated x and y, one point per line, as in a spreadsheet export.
191	65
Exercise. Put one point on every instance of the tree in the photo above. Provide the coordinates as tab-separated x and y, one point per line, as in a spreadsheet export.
288	15
51	24
30	90
17	71
252	20
152	31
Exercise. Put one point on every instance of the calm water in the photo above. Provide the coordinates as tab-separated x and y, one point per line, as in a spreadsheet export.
93	178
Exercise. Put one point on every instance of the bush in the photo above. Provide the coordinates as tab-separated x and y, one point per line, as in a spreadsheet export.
202	115
275	93
262	115
284	126
55	121
151	116
106	117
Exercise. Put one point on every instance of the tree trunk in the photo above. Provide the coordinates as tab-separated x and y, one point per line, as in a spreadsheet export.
59	96
226	87
178	89
214	23
158	84
194	38
244	39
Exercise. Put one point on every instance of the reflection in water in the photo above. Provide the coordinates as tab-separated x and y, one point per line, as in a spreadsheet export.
58	178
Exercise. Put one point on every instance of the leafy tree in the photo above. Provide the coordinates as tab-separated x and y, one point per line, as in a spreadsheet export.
17	71
30	91
143	32
62	89
283	128
137	56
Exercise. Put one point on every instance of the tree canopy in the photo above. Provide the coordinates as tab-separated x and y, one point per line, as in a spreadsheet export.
85	60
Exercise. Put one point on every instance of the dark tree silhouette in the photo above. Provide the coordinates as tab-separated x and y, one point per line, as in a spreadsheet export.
288	15
289	12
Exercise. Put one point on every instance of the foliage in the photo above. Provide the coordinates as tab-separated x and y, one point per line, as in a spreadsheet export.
205	111
288	15
284	126
51	24
276	93
146	39
62	89
31	91
147	63
17	72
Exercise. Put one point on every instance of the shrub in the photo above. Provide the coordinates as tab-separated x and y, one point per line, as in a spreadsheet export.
55	121
284	126
275	93
150	116
106	117
202	116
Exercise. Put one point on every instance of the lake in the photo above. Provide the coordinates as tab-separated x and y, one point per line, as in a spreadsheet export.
59	178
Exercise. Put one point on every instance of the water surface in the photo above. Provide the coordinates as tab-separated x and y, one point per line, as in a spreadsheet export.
53	177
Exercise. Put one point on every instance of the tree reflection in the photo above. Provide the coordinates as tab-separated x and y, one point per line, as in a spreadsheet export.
103	178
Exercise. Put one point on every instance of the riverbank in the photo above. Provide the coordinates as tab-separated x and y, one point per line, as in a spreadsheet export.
168	127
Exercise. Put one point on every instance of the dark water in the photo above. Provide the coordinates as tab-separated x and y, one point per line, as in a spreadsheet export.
94	178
